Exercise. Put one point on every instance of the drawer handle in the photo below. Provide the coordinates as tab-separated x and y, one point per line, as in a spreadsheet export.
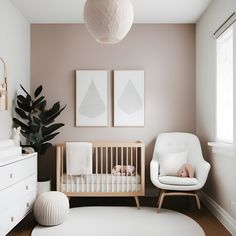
27	204
12	219
27	187
11	176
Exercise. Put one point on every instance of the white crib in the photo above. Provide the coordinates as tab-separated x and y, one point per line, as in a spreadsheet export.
102	182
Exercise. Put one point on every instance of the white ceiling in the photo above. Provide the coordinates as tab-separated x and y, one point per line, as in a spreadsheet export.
145	11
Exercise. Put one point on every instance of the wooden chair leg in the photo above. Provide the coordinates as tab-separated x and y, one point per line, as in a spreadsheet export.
137	201
198	200
160	201
159	197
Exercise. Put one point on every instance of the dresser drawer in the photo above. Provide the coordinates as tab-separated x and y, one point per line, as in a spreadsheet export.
12	195
14	215
14	172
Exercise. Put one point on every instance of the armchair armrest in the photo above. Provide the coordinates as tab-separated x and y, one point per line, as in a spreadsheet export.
202	170
154	170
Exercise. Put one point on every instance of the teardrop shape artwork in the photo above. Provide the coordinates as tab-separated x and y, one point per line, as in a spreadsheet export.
92	105
129	98
91	98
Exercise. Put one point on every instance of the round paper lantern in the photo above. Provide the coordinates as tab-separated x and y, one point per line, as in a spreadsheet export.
108	21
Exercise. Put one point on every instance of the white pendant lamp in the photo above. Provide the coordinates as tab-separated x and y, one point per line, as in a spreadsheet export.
108	21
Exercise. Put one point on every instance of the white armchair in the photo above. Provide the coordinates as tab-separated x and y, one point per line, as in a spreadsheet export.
172	185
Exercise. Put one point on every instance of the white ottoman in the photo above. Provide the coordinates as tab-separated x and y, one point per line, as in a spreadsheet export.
51	208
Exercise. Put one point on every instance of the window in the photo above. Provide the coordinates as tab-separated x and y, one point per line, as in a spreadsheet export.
225	87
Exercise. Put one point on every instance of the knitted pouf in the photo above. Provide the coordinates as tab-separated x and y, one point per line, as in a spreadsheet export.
51	208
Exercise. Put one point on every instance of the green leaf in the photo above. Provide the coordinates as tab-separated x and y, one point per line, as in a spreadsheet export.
55	108
42	105
35	138
23	100
29	99
53	117
24	107
49	137
21	124
25	91
34	127
36	120
37	102
21	113
50	129
38	91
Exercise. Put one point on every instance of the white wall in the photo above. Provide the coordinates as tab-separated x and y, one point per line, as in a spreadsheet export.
15	50
221	185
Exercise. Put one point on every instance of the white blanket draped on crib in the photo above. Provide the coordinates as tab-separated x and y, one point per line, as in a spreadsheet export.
78	158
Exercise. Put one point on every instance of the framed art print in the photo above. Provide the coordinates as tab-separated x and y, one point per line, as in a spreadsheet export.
129	102
91	98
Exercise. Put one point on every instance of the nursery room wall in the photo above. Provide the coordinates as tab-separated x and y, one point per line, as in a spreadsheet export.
165	52
15	50
222	176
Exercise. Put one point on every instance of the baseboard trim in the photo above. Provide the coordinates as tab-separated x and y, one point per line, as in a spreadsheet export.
227	220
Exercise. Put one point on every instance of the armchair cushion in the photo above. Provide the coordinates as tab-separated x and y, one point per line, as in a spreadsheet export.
171	162
173	180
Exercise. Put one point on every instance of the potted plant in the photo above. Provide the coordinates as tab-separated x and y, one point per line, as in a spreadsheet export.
37	122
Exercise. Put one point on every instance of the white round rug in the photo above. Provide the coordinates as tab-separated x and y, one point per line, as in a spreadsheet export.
126	221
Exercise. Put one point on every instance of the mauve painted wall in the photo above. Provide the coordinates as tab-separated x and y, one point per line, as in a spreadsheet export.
165	52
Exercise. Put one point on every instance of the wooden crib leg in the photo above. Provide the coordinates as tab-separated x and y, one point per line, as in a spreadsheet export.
137	201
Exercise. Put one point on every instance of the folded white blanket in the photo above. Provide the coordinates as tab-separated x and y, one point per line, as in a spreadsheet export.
78	158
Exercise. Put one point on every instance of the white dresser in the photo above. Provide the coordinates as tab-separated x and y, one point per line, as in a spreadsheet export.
18	180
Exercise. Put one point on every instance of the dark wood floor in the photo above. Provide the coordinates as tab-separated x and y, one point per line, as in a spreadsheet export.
185	205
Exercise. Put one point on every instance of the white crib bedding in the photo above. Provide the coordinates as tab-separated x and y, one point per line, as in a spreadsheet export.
101	188
101	183
101	178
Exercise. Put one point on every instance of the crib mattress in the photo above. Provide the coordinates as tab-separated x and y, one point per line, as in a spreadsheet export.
101	178
101	188
101	183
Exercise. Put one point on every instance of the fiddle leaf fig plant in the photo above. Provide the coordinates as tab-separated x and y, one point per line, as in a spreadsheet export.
36	121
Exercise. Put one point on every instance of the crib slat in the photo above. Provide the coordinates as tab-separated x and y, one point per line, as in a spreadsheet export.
101	184
58	169
77	184
142	168
106	168
62	160
86	182
116	165
71	185
136	172
127	163
96	157
91	187
122	164
131	165
67	183
80	185
111	169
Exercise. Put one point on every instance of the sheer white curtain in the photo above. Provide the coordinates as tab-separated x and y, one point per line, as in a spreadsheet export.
225	87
